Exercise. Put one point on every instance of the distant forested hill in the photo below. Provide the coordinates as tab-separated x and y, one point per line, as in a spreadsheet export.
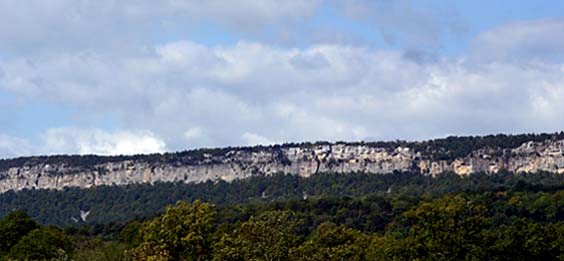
123	203
355	216
461	214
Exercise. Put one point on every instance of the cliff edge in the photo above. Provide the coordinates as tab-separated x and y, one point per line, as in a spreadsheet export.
523	153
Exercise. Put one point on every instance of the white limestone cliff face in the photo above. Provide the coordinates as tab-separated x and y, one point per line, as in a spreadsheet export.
298	160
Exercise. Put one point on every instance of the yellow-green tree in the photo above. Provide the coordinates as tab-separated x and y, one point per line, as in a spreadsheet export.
448	228
183	232
333	242
268	236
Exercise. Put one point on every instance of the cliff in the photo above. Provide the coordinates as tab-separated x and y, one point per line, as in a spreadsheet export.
546	154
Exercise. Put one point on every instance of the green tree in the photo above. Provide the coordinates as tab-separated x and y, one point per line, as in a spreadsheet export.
44	243
182	233
13	227
333	242
268	236
525	240
448	228
98	249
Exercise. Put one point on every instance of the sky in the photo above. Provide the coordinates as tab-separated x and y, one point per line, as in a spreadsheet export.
117	77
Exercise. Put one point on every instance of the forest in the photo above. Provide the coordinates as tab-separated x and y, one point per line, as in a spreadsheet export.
357	216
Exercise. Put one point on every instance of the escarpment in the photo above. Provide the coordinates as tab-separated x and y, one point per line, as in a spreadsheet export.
298	159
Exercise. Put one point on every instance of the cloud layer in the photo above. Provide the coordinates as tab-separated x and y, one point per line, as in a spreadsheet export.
175	94
195	95
33	26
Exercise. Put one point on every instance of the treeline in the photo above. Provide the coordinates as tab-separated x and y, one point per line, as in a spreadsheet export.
21	238
452	227
357	216
493	225
119	204
454	147
438	149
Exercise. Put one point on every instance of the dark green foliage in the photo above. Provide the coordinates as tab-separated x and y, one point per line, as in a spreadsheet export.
357	216
455	147
332	242
525	240
13	227
491	224
447	228
44	243
109	204
95	249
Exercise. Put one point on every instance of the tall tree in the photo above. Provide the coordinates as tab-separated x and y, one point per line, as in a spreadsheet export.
268	236
182	232
44	243
13	227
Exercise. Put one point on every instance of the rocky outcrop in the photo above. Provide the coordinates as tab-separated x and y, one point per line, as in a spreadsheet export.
303	160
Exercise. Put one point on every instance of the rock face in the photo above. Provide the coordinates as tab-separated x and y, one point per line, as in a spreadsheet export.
303	160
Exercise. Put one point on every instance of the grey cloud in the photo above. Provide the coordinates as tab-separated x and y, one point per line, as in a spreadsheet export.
192	96
32	26
247	15
181	94
402	23
309	61
127	27
539	40
420	56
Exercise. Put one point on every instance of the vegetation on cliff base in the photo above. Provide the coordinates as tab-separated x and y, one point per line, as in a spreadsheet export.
401	216
451	227
118	204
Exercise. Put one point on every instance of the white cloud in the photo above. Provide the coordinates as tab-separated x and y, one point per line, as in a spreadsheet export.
254	139
113	60
190	95
193	133
71	140
97	141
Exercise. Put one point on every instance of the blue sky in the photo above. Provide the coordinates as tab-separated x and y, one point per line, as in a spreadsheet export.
123	77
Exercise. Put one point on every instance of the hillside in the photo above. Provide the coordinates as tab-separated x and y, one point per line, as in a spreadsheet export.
461	155
494	197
